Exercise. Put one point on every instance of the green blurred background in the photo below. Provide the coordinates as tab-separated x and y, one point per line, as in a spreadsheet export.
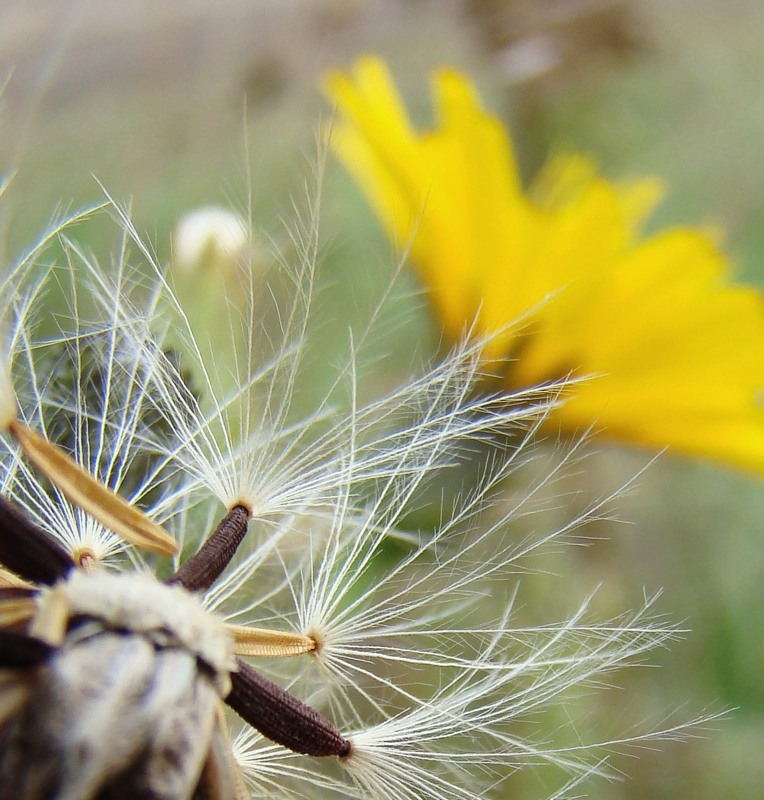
184	103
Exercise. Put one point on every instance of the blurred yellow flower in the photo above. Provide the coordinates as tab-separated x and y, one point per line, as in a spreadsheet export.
674	348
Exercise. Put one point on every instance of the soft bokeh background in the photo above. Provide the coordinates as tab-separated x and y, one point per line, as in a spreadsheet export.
193	102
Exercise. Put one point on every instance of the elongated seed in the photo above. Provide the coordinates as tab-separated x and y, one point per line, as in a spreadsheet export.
28	550
264	643
20	650
205	567
17	605
281	717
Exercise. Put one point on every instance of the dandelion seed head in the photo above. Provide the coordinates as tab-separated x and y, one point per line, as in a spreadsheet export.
211	236
422	658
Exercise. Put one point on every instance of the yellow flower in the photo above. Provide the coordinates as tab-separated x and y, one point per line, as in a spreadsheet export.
674	349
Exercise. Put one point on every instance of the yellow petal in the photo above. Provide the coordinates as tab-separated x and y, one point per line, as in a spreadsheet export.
674	348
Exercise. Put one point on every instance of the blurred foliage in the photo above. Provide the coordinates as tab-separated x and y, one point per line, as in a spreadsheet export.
179	105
